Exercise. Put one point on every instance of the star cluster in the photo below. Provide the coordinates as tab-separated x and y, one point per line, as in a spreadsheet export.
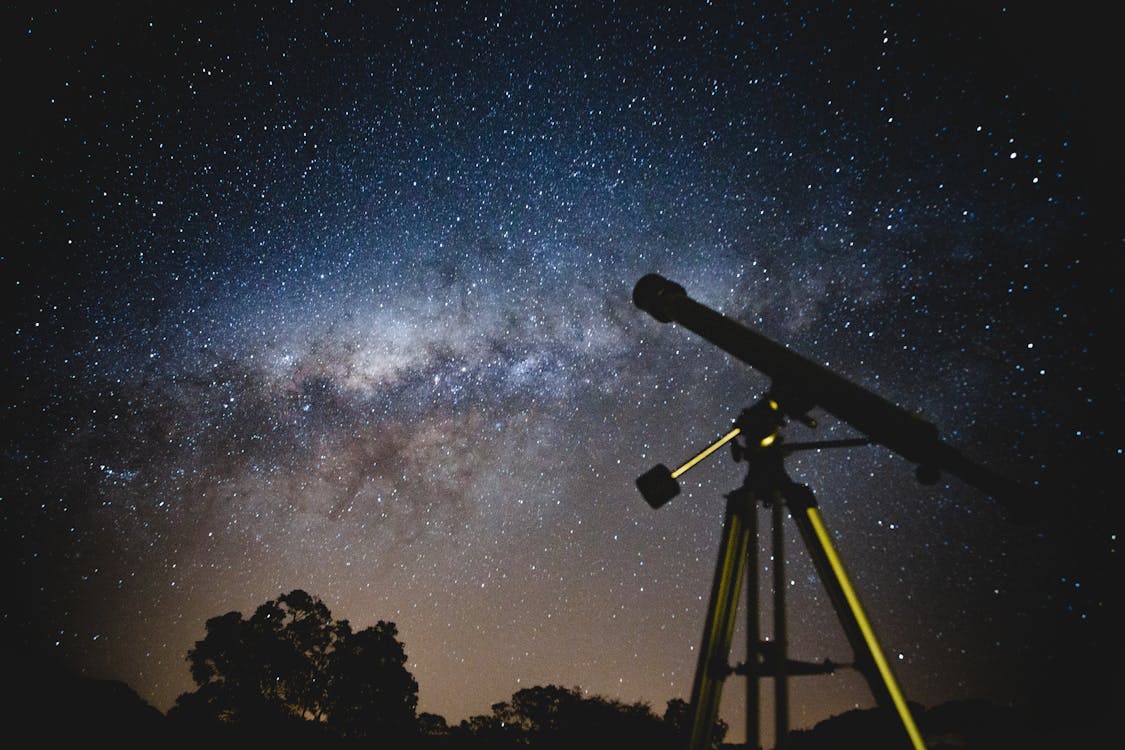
337	297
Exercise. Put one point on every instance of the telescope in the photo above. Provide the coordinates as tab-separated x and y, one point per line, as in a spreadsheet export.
797	386
800	384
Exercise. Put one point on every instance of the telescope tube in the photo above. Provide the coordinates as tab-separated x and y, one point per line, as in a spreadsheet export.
906	434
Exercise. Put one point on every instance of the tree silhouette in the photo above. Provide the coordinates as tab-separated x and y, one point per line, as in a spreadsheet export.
271	666
292	666
548	717
432	725
371	693
677	720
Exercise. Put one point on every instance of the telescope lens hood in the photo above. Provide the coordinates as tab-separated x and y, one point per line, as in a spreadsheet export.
653	292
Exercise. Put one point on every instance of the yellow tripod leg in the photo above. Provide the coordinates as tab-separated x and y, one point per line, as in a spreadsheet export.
738	528
843	589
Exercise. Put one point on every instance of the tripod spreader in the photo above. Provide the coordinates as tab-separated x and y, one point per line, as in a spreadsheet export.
792	668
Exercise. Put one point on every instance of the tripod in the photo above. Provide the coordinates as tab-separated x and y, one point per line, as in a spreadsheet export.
766	482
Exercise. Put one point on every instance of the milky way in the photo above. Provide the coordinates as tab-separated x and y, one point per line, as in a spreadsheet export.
339	299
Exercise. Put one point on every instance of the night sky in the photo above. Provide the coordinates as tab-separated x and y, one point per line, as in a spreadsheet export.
338	297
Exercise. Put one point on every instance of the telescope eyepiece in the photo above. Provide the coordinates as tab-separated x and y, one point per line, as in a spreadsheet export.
653	292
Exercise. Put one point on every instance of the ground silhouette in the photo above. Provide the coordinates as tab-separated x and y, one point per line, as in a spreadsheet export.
291	674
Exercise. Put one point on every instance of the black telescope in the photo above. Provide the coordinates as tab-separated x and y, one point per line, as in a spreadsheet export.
807	384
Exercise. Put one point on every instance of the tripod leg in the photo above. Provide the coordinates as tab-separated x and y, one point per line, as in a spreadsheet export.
712	668
753	630
869	657
780	636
